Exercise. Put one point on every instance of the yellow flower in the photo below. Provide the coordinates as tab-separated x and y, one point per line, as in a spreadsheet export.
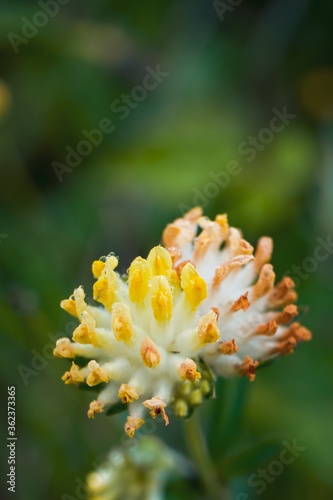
134	474
144	341
206	302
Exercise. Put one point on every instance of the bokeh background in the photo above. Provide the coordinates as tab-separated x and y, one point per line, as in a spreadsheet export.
227	72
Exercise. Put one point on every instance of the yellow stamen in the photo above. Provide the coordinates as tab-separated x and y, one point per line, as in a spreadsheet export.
64	349
105	287
75	305
98	267
104	291
132	425
95	407
174	281
85	333
74	376
156	407
127	393
222	220
97	374
160	261
81	334
122	322
195	288
111	262
138	280
69	306
188	370
208	331
79	296
161	298
150	353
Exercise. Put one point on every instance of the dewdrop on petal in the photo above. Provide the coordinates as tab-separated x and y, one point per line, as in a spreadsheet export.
206	304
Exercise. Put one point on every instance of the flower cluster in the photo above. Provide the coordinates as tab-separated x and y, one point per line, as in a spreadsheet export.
135	473
203	301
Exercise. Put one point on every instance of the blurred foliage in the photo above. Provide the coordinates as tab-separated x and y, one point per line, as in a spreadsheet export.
225	79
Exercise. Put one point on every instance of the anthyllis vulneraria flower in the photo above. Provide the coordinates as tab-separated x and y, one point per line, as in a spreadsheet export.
136	473
205	300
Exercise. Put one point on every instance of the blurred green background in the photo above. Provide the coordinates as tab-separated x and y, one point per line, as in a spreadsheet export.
227	73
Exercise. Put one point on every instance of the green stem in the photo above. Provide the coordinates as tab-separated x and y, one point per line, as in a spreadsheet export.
199	453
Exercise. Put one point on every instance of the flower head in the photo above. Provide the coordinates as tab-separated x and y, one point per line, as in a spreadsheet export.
255	314
145	339
135	473
206	300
